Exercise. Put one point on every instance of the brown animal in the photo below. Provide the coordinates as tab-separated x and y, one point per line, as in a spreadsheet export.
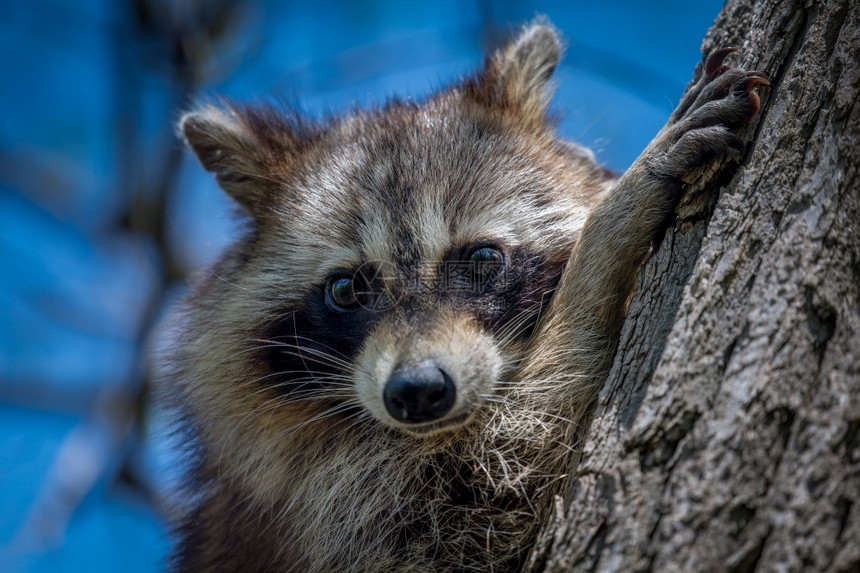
389	370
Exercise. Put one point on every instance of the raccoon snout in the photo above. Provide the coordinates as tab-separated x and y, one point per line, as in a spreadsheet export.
420	393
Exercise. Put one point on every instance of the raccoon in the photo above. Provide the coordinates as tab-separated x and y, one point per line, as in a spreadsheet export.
389	371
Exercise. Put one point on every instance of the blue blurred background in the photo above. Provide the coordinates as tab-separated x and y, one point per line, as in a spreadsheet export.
102	213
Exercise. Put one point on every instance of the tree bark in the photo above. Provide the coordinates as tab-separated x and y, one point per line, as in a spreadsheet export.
727	436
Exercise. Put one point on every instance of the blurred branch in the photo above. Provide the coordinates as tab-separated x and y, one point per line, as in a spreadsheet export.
187	43
84	456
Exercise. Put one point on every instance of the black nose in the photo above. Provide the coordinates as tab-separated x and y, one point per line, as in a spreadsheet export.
420	393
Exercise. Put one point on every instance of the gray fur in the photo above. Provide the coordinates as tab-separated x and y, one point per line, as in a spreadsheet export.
298	467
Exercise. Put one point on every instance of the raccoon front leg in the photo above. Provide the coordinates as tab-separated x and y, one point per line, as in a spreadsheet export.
579	333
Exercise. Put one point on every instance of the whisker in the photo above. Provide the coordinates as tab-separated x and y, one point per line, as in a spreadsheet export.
322	378
316	355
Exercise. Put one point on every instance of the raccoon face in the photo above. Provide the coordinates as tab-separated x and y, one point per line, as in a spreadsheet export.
400	257
452	327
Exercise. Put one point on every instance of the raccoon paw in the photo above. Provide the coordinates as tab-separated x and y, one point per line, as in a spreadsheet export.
701	128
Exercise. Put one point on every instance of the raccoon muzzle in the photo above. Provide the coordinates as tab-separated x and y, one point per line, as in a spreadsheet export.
421	393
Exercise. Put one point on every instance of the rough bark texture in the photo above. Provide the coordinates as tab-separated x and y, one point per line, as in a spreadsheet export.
728	434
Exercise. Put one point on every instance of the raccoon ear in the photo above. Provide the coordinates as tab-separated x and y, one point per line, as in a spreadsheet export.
227	146
520	73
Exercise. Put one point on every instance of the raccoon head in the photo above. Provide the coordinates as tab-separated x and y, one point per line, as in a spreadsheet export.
400	257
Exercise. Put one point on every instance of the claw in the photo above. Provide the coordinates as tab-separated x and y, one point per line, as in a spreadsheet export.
756	104
755	79
714	65
746	86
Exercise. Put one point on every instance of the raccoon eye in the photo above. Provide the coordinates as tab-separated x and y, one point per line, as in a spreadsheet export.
340	293
486	255
488	261
487	265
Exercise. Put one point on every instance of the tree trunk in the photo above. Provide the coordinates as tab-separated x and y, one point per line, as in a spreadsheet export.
727	436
